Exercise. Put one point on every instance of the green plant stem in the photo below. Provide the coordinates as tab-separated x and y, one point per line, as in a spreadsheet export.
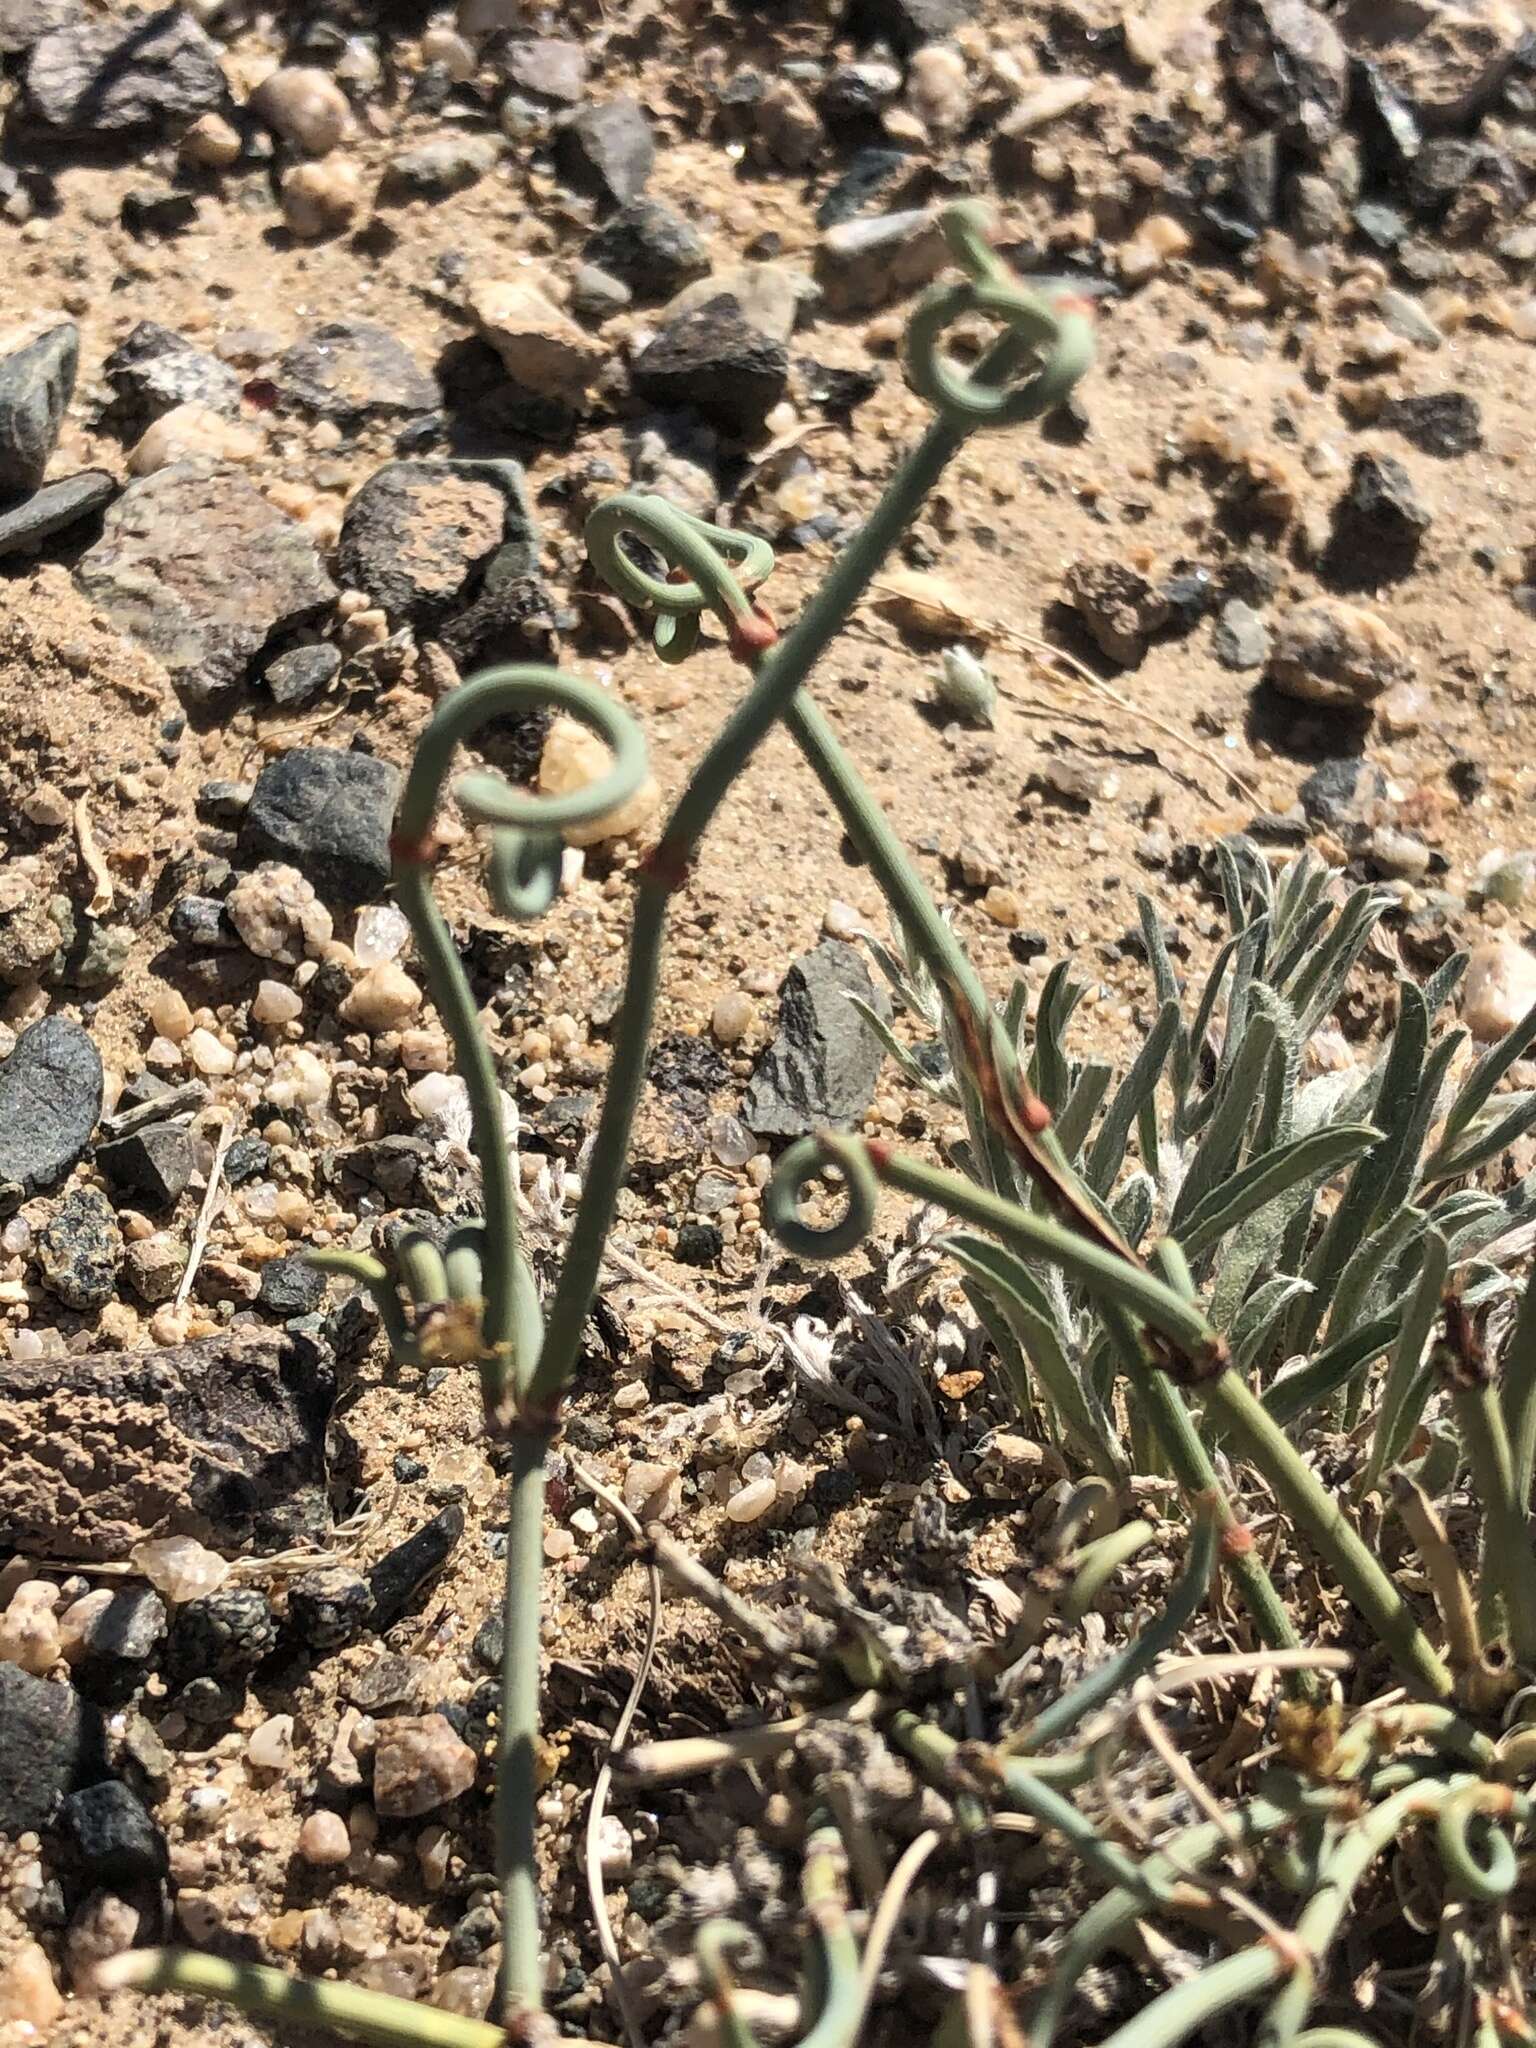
1316	1511
522	1983
1176	2015
509	1321
1519	1394
1139	1655
1111	1916
1353	1854
842	2004
271	1995
942	1758
777	676
1098	1562
1509	1562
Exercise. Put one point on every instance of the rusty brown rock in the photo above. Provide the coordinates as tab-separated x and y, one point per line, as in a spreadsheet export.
222	1439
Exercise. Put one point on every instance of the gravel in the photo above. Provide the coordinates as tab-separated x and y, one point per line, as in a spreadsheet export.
327	813
50	1099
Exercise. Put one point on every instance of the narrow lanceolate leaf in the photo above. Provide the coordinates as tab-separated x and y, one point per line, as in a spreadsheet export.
1483	1141
1238	1093
1137	1089
1320	982
1132	1207
912	1067
1275	1121
1048	1073
1359	1211
1018	1296
1296	1393
1518	1372
1076	1120
1253	1328
1398	1410
1442	984
1305	1162
1488	1073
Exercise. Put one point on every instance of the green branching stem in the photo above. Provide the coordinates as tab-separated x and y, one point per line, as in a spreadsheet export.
1059	338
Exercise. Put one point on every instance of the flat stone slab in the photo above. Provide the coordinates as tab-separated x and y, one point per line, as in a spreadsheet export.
222	1439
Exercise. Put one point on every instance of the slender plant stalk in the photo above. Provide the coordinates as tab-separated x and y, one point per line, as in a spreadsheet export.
1318	1513
346	2009
517	1752
1509	1562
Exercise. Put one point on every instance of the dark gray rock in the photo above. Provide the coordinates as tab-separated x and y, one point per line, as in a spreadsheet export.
353	371
154	1164
36	384
1378	525
1341	793
50	1099
419	536
608	148
153	369
199	567
713	362
401	1573
124	74
552	67
202	921
291	1287
80	1250
872	175
328	813
117	1841
118	1647
389	1685
328	1606
52	1743
438	169
823	1063
65	503
1444	423
223	1632
299	676
904	24
222	1438
1241	638
650	248
1290	65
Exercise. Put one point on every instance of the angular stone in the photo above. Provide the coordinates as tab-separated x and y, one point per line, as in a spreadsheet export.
824	1061
199	567
420	1764
1444	59
400	1573
55	508
1290	64
438	169
1119	607
36	383
51	1744
50	1100
541	347
418	536
353	371
153	370
905	24
1443	423
867	262
221	1439
115	76
553	67
1241	639
328	812
155	1163
609	148
714	362
299	676
117	1841
650	247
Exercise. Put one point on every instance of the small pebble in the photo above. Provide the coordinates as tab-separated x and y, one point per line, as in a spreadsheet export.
1499	988
323	1840
270	1747
179	1567
733	1017
305	106
383	1000
208	1054
275	1003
